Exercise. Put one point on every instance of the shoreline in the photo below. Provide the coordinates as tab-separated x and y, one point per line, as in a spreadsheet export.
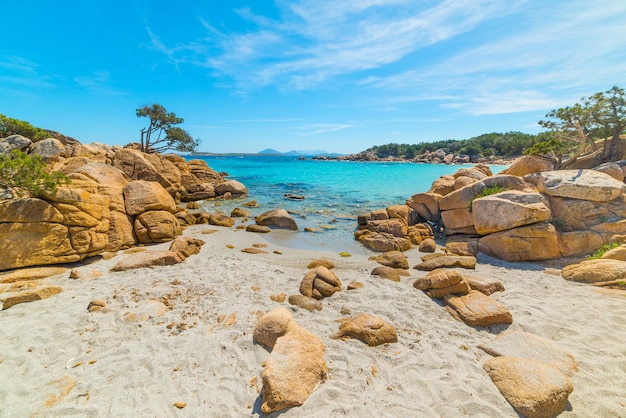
200	351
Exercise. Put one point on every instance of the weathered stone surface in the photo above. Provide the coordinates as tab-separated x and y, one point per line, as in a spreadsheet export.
137	166
382	241
528	346
320	283
458	221
528	165
29	210
477	309
48	149
156	226
6	301
447	261
32	273
403	213
103	174
580	184
395	259
461	198
258	228
426	205
370	329
388	273
507	210
277	218
442	283
148	259
46	243
231	186
612	169
592	271
443	185
296	366
420	232
187	246
466	248
526	243
321	262
486	286
12	142
219	219
121	233
428	246
301	301
142	196
240	213
395	227
580	242
533	388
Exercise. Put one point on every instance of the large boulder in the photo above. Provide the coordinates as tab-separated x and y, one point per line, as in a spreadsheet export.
48	149
65	226
382	241
296	365
527	243
593	271
447	261
149	259
535	389
156	226
426	205
478	309
142	196
231	186
137	166
277	218
507	210
462	198
580	184
12	142
395	259
458	221
528	165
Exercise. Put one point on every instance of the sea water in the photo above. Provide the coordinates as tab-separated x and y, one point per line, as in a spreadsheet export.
335	193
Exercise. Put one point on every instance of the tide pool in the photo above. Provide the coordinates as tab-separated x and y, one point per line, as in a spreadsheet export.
335	193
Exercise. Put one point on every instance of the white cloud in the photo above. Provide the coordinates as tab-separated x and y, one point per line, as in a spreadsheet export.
100	82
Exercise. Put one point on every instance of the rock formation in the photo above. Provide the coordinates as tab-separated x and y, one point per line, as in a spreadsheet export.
296	366
117	197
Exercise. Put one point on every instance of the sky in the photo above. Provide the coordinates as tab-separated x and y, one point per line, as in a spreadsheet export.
339	76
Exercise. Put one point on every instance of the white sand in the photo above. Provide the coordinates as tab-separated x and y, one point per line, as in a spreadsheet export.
57	359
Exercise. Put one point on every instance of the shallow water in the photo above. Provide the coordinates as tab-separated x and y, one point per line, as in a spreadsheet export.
335	193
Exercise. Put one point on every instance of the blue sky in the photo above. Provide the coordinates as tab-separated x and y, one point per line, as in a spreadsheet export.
306	74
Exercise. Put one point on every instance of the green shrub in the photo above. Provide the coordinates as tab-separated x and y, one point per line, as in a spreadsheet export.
602	250
26	174
10	126
487	191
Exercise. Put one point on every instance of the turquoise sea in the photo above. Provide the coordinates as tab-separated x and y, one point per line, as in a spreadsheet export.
335	193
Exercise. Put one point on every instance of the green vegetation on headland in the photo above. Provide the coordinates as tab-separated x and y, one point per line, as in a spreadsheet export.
591	128
26	174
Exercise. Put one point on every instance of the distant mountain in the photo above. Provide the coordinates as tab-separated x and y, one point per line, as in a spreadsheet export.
270	151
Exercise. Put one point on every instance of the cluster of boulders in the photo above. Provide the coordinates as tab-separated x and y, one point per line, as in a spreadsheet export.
439	156
521	214
118	197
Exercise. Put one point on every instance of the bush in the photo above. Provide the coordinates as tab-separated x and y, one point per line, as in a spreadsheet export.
602	250
26	174
9	126
487	191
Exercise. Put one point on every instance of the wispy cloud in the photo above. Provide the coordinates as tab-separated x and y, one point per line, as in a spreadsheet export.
21	72
322	128
100	82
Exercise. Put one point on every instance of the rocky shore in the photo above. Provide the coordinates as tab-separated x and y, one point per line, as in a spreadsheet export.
158	308
439	156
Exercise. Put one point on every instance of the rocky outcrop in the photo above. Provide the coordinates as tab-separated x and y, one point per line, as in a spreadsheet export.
117	198
296	365
478	309
543	215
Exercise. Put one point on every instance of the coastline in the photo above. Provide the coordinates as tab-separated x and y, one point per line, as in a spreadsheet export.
200	351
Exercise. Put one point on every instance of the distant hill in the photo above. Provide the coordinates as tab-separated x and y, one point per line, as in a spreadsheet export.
270	151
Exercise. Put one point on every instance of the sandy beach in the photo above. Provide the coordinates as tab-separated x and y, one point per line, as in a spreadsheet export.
197	357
